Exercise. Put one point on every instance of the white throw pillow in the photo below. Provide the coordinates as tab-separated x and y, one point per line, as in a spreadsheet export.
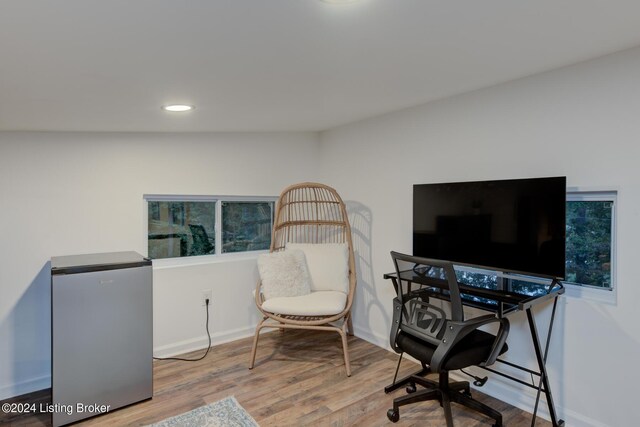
284	274
328	265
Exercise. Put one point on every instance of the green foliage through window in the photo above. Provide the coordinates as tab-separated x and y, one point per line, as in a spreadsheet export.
588	243
246	226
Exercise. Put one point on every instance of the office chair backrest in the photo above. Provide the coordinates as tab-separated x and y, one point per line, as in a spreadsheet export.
412	311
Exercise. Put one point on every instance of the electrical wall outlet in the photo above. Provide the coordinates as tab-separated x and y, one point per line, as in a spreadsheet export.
207	295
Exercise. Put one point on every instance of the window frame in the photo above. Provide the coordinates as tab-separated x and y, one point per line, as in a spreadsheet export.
218	256
607	295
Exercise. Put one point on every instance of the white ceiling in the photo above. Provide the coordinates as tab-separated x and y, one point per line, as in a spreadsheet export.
274	65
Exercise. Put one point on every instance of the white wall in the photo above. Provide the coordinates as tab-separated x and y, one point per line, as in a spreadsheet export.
69	193
580	121
65	193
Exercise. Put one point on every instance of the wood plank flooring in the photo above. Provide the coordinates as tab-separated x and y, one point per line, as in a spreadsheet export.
299	380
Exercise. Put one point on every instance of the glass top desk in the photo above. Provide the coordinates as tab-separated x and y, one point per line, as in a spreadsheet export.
501	294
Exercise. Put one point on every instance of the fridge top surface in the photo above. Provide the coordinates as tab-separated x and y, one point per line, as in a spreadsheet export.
71	264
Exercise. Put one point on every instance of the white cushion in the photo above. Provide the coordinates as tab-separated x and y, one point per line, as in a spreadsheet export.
328	265
284	274
322	303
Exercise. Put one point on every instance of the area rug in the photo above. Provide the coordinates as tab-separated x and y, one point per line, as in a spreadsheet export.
223	413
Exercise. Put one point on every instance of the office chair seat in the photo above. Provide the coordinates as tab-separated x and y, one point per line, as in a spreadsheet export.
471	350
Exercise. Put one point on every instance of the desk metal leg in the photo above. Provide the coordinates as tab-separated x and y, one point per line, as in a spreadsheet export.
542	359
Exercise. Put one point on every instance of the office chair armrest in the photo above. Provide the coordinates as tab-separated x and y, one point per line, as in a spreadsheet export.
456	331
501	338
395	325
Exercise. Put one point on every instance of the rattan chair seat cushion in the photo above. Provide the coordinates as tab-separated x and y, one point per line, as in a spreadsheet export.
321	303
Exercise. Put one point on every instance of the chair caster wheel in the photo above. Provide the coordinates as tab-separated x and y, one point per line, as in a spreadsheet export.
411	388
393	415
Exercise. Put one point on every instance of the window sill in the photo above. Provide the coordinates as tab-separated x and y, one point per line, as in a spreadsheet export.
606	296
163	263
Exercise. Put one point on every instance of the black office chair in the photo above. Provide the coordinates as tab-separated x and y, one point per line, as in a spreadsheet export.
442	343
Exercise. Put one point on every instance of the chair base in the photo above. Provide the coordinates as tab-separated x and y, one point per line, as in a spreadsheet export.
344	331
444	392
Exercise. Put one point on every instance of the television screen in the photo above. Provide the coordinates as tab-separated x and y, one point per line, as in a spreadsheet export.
515	225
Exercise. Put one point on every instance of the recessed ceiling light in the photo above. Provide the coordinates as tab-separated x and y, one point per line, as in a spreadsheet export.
178	108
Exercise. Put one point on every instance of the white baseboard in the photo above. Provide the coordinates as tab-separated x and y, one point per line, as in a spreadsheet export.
24	387
199	343
509	392
575	419
370	336
524	398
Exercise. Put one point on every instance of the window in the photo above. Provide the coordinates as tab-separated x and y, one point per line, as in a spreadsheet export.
184	226
181	228
590	238
246	226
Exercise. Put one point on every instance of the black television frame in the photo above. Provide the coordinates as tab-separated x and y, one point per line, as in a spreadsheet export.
506	270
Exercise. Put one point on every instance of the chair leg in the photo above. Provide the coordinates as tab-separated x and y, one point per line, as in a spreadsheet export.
408	379
420	396
477	406
446	393
255	343
454	386
345	350
457	386
461	386
446	405
349	325
424	382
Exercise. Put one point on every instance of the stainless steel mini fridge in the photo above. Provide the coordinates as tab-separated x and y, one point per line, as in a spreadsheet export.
102	334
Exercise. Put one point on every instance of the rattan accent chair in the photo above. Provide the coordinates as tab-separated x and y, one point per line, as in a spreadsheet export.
310	213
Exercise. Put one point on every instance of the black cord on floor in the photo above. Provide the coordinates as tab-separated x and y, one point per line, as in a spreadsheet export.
208	348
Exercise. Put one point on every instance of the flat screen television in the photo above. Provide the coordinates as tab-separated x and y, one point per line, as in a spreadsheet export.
514	225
